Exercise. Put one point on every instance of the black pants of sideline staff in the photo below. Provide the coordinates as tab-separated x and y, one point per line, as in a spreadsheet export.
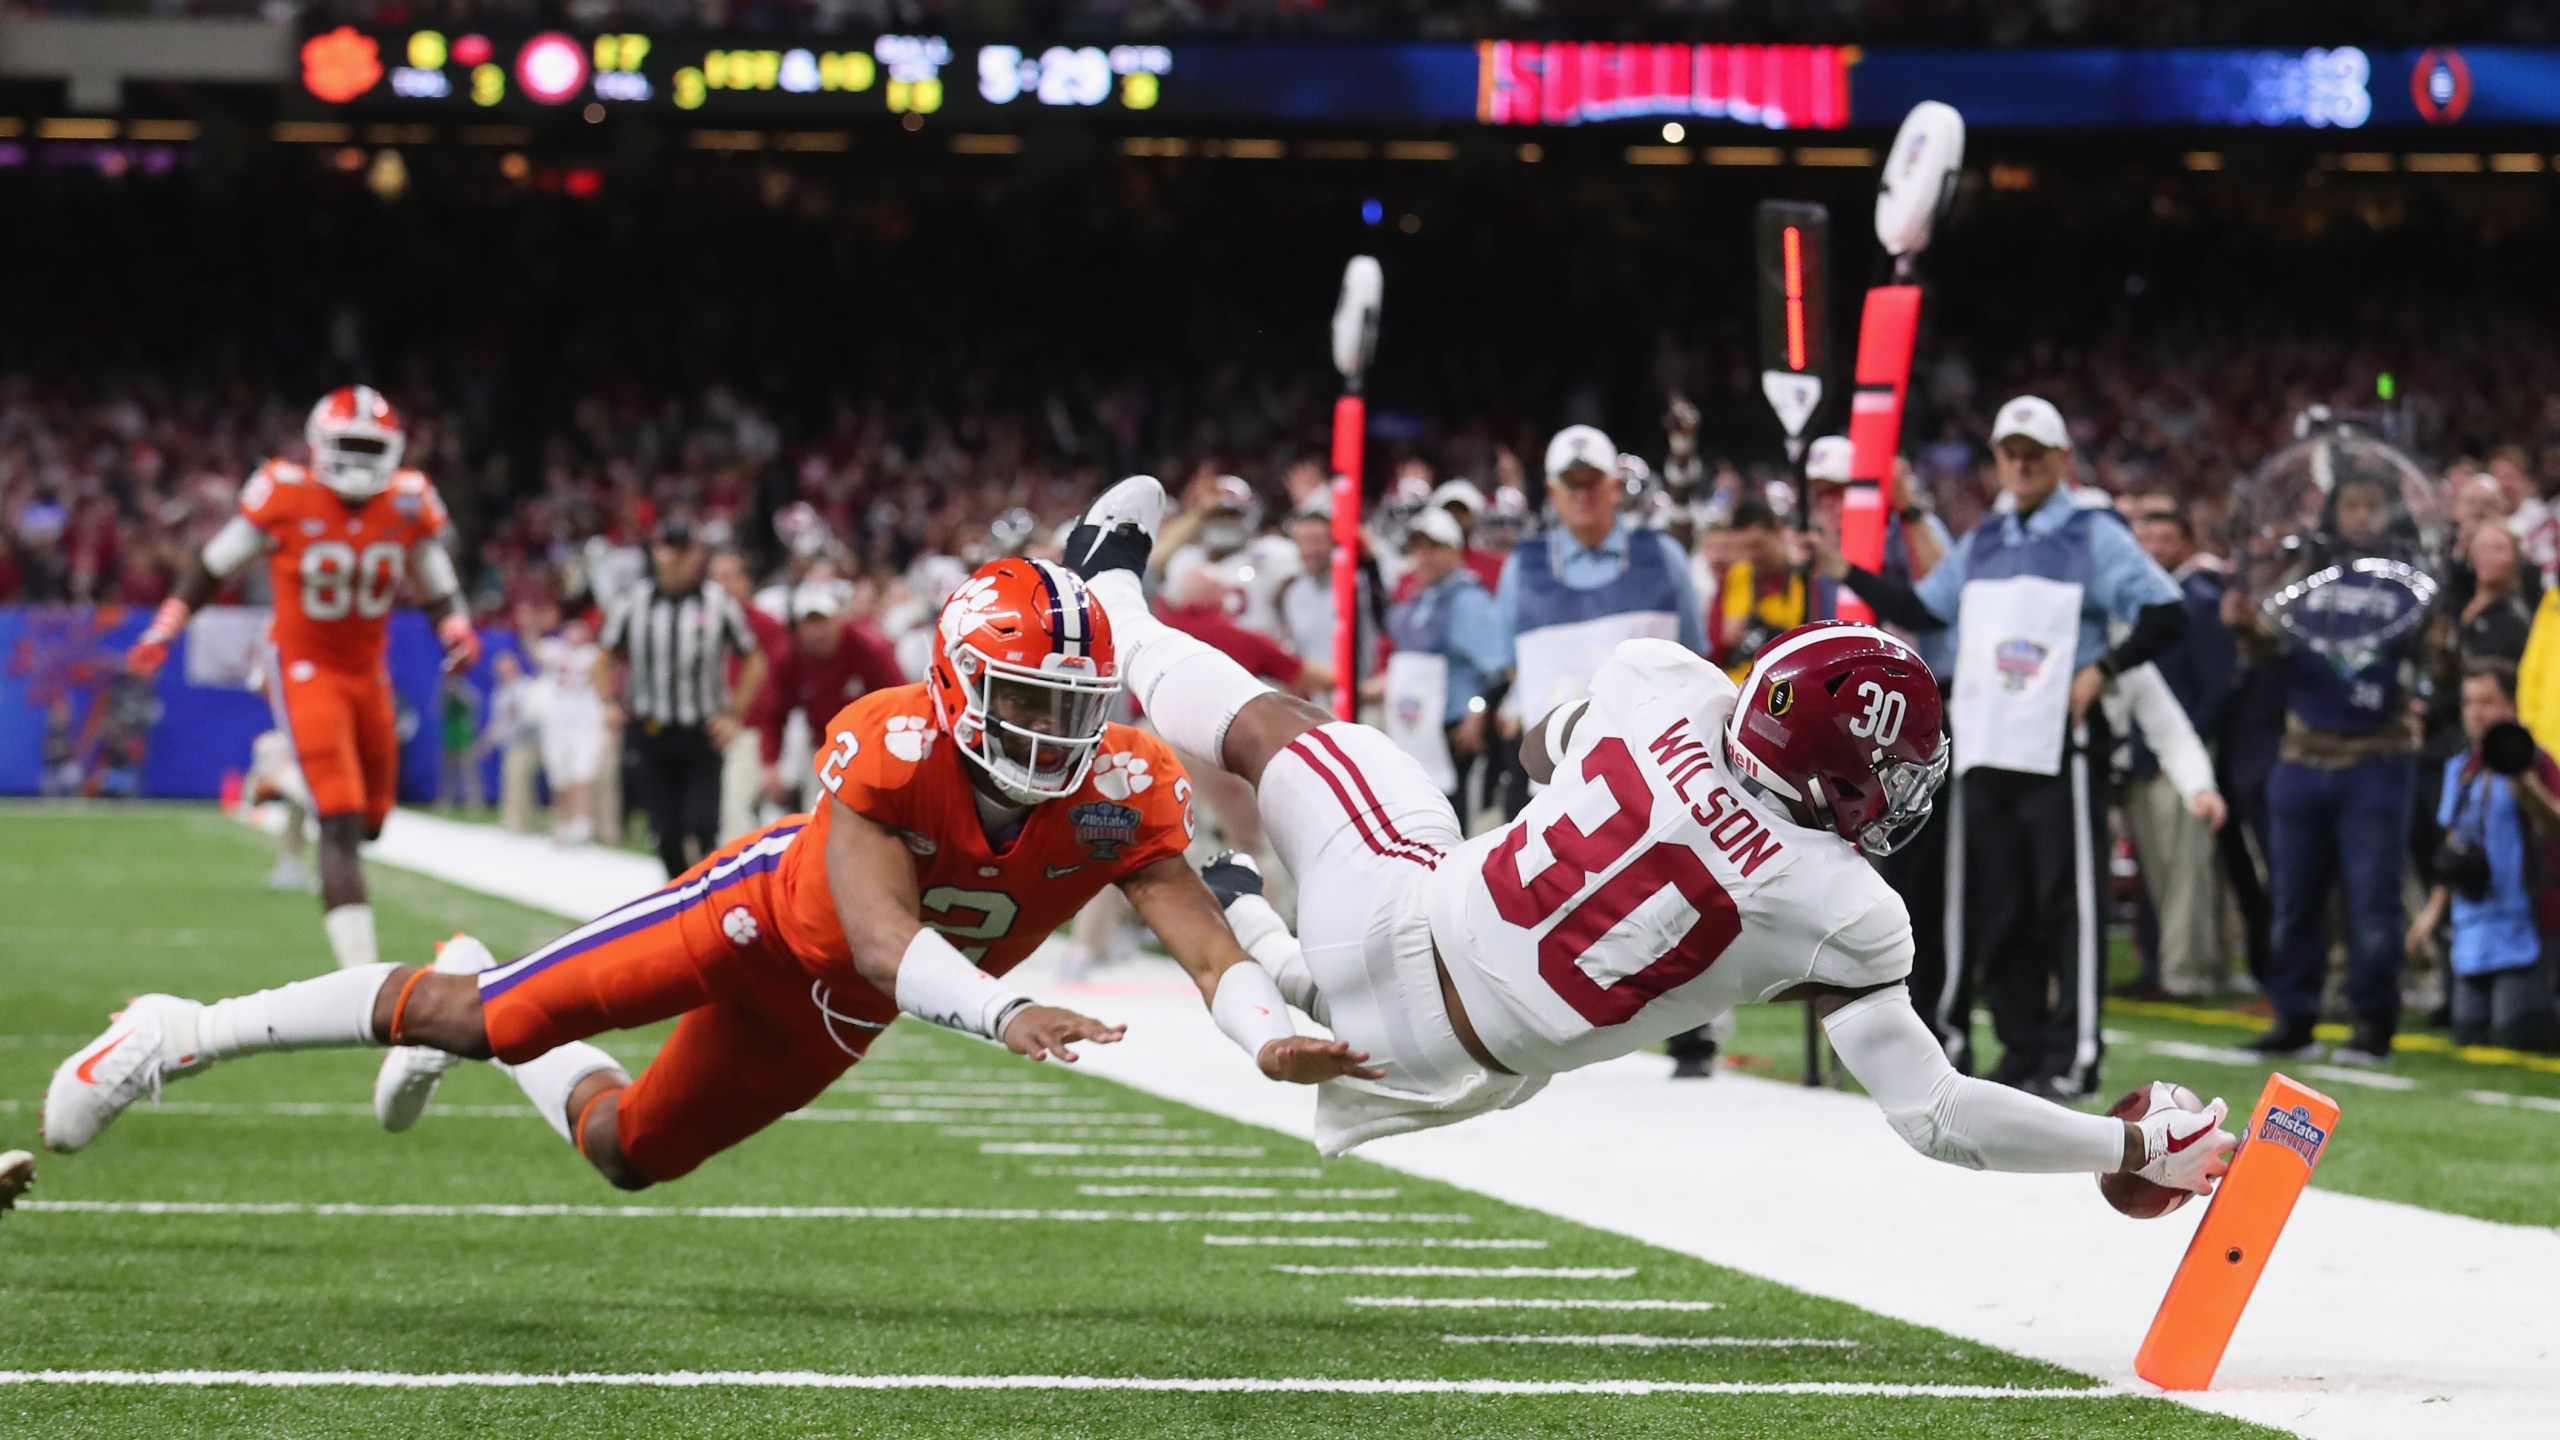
2031	856
675	775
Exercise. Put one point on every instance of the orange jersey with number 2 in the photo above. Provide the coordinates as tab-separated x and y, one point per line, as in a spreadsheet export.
886	760
337	566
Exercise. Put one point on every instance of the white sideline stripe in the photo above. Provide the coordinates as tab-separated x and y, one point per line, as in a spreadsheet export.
1183	1172
1659	1342
1522	1302
1221	1152
1067	1132
738	1212
2501	1097
1471	1272
817	1380
1233	1192
1348	1242
2368	1079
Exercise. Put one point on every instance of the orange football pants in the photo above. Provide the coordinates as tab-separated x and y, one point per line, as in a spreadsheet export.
761	1034
342	726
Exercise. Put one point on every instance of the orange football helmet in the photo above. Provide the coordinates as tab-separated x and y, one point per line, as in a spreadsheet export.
356	439
1023	676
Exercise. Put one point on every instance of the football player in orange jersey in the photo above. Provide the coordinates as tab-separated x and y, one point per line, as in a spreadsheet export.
966	818
339	534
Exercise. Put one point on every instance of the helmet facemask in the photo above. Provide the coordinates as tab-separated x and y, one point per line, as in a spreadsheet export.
1034	731
1911	793
357	463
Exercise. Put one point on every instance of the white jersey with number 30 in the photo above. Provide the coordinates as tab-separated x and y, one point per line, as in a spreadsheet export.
1643	893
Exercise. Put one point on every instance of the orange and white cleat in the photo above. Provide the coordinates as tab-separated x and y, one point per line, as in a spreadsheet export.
410	1073
151	1043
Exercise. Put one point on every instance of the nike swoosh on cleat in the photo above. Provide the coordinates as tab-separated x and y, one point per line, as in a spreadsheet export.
85	1073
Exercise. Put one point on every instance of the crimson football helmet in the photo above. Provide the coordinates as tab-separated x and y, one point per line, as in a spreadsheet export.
1023	676
1841	725
356	439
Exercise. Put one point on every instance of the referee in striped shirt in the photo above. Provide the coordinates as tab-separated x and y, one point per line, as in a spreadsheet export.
674	639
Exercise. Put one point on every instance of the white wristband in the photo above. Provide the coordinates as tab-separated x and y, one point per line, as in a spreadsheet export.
1249	1009
937	984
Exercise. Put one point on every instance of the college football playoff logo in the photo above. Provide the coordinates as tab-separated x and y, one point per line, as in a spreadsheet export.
1782	697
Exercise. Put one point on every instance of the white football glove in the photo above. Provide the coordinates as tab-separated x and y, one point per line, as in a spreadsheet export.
2186	1149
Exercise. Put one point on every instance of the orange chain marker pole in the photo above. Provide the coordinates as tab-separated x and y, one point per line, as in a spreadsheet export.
2280	1142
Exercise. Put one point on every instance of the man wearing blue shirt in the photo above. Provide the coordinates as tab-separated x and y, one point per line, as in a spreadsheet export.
1569	595
2501	979
1449	662
2030	593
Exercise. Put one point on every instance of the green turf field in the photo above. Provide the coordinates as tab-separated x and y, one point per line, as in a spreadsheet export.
1073	1275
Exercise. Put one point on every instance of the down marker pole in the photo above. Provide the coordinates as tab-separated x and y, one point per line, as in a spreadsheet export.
1355	343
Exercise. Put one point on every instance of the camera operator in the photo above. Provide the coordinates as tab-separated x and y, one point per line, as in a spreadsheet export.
2494	869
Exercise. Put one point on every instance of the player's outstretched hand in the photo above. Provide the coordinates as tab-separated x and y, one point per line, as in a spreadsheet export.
1307	1060
2186	1149
1043	1032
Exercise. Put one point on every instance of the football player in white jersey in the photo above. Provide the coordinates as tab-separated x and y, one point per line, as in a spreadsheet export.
1697	847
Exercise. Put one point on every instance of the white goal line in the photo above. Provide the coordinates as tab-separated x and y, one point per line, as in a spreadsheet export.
819	1380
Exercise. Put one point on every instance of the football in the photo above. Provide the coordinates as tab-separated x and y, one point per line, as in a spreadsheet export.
2135	1196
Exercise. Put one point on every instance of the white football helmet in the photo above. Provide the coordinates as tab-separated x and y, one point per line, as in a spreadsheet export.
356	439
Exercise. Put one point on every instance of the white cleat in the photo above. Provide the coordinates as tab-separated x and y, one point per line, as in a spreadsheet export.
139	1053
410	1073
17	1176
1119	529
289	875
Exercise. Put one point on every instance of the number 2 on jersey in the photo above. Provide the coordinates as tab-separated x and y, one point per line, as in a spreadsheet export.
1531	902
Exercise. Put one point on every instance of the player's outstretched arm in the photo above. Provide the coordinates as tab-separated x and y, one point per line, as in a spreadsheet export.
1548	741
1170	896
234	545
1982	1126
873	884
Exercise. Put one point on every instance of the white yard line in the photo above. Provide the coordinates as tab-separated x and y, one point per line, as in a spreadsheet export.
1183	1172
1363	1242
1659	1342
2501	1097
740	1212
1233	1192
907	1097
2362	1079
992	1091
1469	1272
1216	1152
1519	1302
818	1380
2208	1054
1067	1132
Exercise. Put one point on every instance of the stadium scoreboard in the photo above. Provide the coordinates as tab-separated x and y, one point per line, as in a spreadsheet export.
1491	83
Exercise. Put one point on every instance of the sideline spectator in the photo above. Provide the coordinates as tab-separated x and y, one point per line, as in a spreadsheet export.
1761	596
826	662
1306	603
2174	845
572	723
515	732
2496	621
2495	871
1447	668
745	772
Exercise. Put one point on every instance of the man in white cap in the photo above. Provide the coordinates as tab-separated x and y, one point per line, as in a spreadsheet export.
1466	504
1570	594
2030	594
1448	657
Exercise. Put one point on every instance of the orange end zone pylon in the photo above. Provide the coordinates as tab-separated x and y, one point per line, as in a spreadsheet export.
2280	1143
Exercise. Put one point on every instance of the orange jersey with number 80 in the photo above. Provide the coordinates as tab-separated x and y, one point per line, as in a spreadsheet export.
884	758
337	566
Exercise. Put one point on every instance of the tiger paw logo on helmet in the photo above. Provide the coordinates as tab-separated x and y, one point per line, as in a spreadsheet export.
909	737
1120	775
970	606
